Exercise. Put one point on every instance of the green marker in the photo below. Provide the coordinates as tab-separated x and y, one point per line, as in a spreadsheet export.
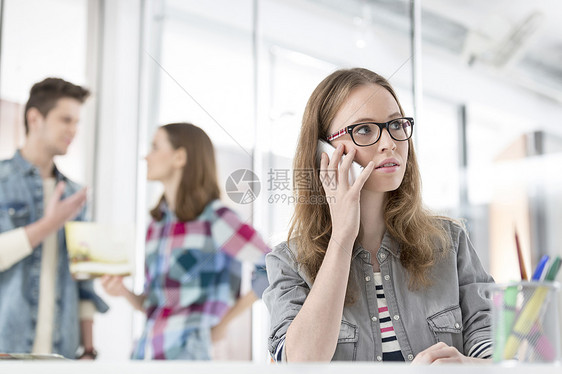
505	321
553	270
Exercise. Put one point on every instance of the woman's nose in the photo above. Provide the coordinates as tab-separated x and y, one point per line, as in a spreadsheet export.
386	142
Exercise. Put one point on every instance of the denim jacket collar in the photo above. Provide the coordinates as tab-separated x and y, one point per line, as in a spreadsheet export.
390	245
27	167
387	243
22	164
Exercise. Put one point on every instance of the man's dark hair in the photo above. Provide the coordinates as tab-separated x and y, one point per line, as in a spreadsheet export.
45	94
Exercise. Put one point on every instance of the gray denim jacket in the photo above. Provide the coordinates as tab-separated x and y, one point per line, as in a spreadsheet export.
21	203
453	310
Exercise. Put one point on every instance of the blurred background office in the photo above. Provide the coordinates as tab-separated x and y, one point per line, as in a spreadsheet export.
482	78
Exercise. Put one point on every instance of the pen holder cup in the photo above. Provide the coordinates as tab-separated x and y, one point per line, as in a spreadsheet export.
526	322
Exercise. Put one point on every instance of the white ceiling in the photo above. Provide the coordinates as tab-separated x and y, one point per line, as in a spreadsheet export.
519	39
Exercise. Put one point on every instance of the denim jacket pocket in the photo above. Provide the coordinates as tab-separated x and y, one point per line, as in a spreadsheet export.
348	337
16	212
446	326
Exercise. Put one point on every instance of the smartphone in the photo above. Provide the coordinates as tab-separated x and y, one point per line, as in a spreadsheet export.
324	146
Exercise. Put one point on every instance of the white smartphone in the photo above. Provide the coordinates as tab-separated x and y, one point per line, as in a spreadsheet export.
324	146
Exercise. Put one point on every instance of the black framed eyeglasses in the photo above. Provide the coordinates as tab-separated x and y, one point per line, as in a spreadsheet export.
368	133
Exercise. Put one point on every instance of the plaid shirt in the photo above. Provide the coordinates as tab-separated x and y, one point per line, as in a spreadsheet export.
192	278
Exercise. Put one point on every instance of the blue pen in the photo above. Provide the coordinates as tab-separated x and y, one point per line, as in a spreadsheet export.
540	268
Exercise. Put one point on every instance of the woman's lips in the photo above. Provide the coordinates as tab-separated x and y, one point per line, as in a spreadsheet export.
388	169
389	165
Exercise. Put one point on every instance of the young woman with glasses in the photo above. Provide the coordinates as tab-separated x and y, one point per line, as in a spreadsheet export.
371	275
194	249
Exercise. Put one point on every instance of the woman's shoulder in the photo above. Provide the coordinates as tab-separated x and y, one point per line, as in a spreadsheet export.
214	210
286	250
450	224
283	257
455	229
219	207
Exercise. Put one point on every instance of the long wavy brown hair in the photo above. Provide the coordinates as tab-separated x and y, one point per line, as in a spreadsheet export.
418	232
198	185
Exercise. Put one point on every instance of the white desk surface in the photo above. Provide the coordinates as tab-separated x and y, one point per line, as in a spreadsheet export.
187	367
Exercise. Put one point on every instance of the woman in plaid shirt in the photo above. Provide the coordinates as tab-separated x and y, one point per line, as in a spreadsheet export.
194	249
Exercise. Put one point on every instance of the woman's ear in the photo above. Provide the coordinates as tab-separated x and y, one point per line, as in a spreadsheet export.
180	158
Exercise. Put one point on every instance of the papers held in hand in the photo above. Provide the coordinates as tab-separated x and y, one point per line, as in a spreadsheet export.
96	249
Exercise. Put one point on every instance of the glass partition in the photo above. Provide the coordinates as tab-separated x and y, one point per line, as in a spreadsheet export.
43	39
243	72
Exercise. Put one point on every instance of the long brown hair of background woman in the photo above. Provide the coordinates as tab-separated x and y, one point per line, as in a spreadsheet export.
198	185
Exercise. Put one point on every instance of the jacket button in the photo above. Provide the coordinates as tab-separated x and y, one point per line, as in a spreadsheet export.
410	357
387	277
379	358
397	317
374	318
382	256
367	278
457	326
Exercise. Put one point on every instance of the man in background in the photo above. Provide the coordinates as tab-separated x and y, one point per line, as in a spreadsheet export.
43	310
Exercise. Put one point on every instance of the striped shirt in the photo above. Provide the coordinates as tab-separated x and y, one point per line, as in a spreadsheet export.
390	347
483	349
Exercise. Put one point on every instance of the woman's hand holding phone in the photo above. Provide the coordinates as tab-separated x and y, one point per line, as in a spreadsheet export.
342	196
354	170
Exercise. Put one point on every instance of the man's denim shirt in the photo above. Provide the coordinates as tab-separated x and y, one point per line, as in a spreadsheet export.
454	310
21	203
